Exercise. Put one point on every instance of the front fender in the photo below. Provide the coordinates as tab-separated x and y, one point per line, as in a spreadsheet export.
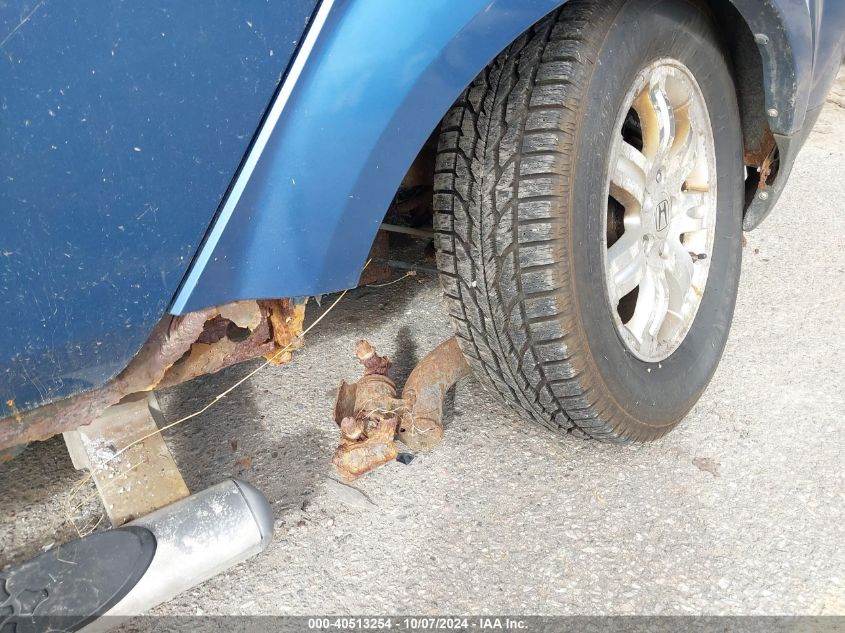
371	82
378	77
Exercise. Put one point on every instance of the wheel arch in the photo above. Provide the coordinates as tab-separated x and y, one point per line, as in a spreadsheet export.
372	83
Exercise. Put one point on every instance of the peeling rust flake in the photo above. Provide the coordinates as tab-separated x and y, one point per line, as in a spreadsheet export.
765	158
286	322
179	349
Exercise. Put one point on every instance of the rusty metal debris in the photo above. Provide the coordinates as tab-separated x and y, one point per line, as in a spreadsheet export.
765	158
370	416
422	420
179	349
367	413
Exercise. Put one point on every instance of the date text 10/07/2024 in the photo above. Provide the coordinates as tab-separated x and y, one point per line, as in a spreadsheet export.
478	623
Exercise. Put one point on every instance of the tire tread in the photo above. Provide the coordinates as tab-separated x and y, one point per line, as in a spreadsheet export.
503	168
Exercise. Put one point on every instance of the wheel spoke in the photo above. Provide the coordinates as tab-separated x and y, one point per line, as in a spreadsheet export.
657	119
625	264
693	176
692	200
689	214
627	181
683	151
651	310
665	118
679	272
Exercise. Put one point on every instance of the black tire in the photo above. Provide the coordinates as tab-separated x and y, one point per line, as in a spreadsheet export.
519	197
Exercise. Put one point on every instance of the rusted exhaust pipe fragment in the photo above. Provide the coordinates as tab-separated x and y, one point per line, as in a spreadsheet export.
421	426
368	412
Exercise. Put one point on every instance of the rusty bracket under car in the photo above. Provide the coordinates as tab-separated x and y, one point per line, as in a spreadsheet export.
370	416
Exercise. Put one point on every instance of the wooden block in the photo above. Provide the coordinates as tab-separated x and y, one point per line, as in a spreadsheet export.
141	479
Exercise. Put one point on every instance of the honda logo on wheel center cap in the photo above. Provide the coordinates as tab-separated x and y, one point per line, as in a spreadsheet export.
661	220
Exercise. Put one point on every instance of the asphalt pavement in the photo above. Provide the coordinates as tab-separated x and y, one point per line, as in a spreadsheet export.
741	510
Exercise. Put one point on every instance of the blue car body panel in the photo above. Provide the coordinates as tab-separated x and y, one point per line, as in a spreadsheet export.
124	127
121	125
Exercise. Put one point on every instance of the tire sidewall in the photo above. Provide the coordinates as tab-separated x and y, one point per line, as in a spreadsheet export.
656	394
